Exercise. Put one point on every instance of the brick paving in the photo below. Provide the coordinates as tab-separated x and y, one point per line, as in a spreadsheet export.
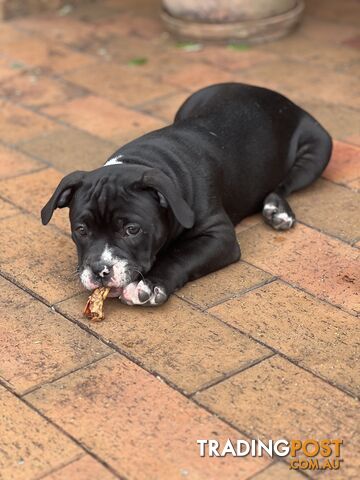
265	348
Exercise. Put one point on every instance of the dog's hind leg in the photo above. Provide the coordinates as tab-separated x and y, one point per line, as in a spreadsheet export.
313	151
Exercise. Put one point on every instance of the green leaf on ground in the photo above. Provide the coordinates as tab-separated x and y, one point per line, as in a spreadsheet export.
239	47
17	65
189	46
138	61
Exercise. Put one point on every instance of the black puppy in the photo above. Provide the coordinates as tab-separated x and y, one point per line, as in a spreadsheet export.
161	211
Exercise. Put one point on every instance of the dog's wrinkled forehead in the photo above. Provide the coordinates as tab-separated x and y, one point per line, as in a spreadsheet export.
100	194
111	195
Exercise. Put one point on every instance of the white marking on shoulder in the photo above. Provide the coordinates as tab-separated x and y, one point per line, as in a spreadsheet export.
114	161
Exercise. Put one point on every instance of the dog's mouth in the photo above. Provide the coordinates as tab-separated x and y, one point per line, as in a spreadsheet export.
116	281
116	291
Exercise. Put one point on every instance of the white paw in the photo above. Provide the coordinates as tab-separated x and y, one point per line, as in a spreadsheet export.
143	293
277	213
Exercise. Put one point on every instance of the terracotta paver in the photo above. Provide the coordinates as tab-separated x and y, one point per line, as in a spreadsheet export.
9	68
344	13
345	163
336	57
352	42
36	52
97	12
117	48
57	29
355	184
275	399
223	284
187	347
69	149
32	191
104	119
165	107
7	210
38	258
140	413
30	446
120	83
278	471
297	82
136	25
14	163
316	335
200	75
35	90
328	32
331	208
8	33
85	468
249	222
323	266
235	59
18	124
340	121
38	345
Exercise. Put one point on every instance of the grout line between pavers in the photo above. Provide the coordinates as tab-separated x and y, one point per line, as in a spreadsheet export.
263	470
66	434
59	467
14	146
65	374
63	123
274	462
232	373
156	374
205	308
98	59
341	183
16	214
23	211
243	292
229	424
327	233
30	292
289	359
302	289
21	174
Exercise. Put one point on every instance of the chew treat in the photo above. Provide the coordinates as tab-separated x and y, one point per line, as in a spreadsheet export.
94	307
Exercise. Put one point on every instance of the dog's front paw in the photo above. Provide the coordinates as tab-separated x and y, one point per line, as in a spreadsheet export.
144	293
277	212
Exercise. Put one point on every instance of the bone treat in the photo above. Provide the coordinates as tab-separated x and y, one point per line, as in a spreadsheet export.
94	307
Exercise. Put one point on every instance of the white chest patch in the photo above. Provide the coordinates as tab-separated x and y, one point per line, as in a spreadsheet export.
114	161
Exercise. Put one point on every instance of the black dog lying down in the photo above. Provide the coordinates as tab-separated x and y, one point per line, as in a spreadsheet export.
161	211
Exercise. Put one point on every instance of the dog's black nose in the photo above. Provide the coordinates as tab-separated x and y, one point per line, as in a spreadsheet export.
101	270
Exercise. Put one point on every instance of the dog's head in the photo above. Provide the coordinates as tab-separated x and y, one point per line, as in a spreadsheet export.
120	219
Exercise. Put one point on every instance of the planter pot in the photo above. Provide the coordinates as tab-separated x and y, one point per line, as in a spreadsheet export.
246	21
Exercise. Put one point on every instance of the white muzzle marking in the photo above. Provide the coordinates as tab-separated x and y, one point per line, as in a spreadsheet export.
120	271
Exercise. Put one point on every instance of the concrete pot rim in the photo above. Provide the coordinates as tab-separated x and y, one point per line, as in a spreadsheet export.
269	27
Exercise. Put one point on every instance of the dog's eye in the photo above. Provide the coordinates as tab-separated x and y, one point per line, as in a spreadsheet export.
132	229
81	230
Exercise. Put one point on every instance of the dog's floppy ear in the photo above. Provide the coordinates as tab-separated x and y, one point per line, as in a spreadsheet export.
169	194
62	196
